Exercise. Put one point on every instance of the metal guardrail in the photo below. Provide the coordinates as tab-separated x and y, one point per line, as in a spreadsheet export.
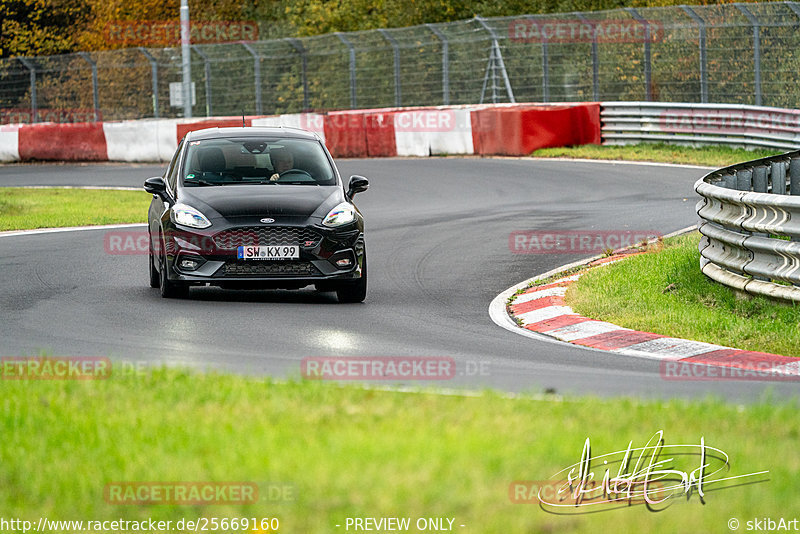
734	125
750	222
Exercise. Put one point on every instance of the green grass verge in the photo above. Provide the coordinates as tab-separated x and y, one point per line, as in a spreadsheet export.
26	208
633	293
711	156
352	452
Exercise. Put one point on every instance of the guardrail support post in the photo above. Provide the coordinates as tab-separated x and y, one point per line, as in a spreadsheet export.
352	50
207	70
777	178
760	179
703	58
794	180
445	63
756	50
153	78
794	176
595	58
730	181
648	82
32	68
744	180
298	45
256	75
398	99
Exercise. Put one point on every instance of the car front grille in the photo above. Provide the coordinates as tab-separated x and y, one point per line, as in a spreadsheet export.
270	268
259	235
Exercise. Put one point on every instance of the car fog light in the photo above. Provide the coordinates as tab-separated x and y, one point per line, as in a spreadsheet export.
344	262
189	265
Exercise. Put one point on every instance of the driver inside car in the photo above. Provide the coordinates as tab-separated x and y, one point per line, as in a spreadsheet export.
281	160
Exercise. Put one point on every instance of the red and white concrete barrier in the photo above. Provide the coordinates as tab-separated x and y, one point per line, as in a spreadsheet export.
9	143
508	129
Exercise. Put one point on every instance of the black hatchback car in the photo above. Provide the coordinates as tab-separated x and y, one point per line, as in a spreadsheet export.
253	208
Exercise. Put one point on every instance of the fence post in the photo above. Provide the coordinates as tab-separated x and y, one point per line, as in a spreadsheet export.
595	59
648	82
703	57
398	99
298	46
756	50
256	75
445	63
186	60
496	59
153	78
545	61
95	98
32	68
207	70
349	45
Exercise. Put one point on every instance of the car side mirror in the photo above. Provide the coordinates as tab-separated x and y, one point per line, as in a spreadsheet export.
358	184
156	186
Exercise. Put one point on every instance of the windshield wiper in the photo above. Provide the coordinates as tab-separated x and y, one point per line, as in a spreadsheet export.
197	181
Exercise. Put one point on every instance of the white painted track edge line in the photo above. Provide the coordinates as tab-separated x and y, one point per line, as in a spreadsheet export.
12	233
98	187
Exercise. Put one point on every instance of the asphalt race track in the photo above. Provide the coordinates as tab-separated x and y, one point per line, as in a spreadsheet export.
437	241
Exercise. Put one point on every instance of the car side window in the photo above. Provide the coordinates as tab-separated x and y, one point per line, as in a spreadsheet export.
172	172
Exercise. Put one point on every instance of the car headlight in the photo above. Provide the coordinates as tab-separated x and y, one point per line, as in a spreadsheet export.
188	216
340	215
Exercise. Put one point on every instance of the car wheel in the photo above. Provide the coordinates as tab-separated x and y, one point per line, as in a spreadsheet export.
169	289
155	277
357	291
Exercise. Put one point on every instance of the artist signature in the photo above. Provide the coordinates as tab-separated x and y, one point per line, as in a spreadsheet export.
647	475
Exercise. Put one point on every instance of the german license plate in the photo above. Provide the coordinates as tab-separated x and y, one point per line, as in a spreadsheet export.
272	252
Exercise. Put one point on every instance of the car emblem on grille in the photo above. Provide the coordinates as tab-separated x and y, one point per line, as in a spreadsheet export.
267	220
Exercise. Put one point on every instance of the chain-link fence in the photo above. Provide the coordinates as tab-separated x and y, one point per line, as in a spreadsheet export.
733	53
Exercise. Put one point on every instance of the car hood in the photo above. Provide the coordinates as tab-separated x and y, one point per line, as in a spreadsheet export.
234	201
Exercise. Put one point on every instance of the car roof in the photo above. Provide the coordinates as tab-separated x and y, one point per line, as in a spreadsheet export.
250	131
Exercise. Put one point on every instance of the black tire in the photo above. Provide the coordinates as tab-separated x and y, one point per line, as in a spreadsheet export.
354	291
169	289
155	277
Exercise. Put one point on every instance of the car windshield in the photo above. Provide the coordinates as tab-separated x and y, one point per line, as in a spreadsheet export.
251	160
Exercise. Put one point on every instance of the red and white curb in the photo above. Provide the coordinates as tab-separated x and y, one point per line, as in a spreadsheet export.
541	313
